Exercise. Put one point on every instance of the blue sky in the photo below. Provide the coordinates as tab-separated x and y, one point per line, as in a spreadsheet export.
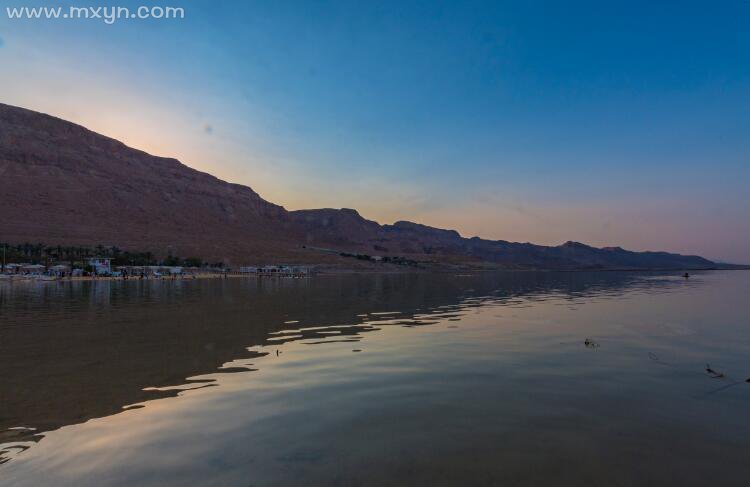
612	123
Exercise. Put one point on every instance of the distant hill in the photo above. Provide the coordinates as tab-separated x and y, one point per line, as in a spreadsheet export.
345	228
62	184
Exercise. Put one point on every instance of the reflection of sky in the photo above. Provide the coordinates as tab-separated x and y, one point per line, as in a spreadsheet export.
608	124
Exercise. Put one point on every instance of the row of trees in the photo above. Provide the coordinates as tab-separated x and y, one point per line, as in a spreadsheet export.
47	255
384	259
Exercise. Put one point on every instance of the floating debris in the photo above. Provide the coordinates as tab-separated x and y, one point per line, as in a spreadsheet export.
658	359
589	343
714	374
357	350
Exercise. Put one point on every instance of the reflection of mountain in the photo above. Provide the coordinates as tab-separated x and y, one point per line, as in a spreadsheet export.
78	351
65	185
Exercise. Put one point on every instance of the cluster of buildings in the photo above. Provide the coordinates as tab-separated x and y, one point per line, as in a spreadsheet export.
25	269
102	266
99	265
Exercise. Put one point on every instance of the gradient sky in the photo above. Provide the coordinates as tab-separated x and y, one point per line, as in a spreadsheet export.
611	123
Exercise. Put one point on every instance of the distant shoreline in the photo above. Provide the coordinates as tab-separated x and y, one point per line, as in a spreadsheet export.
332	272
190	277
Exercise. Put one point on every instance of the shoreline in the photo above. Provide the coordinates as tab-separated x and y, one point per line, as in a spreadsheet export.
326	272
191	277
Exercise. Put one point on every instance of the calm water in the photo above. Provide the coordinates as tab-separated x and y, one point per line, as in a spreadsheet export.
378	380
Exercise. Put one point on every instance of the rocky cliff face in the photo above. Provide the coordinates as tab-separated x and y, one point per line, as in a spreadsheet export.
344	227
62	184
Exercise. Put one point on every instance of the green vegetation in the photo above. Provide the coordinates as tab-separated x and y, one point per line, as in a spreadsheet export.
385	259
76	256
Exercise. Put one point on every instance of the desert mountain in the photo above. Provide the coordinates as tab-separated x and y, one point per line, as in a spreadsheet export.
421	242
62	184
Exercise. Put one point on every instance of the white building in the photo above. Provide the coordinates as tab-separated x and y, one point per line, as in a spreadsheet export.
33	269
13	268
59	270
101	265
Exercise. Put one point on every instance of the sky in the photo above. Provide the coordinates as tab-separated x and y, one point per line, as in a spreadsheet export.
610	123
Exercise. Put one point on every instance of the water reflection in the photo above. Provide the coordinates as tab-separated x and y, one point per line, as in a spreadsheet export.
70	352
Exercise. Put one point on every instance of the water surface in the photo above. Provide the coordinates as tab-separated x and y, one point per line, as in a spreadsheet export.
491	379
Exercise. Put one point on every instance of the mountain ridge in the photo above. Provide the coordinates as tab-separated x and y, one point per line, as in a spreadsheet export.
64	184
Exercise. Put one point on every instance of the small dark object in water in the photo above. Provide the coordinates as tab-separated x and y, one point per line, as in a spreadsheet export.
357	350
686	275
658	359
590	343
714	374
278	353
